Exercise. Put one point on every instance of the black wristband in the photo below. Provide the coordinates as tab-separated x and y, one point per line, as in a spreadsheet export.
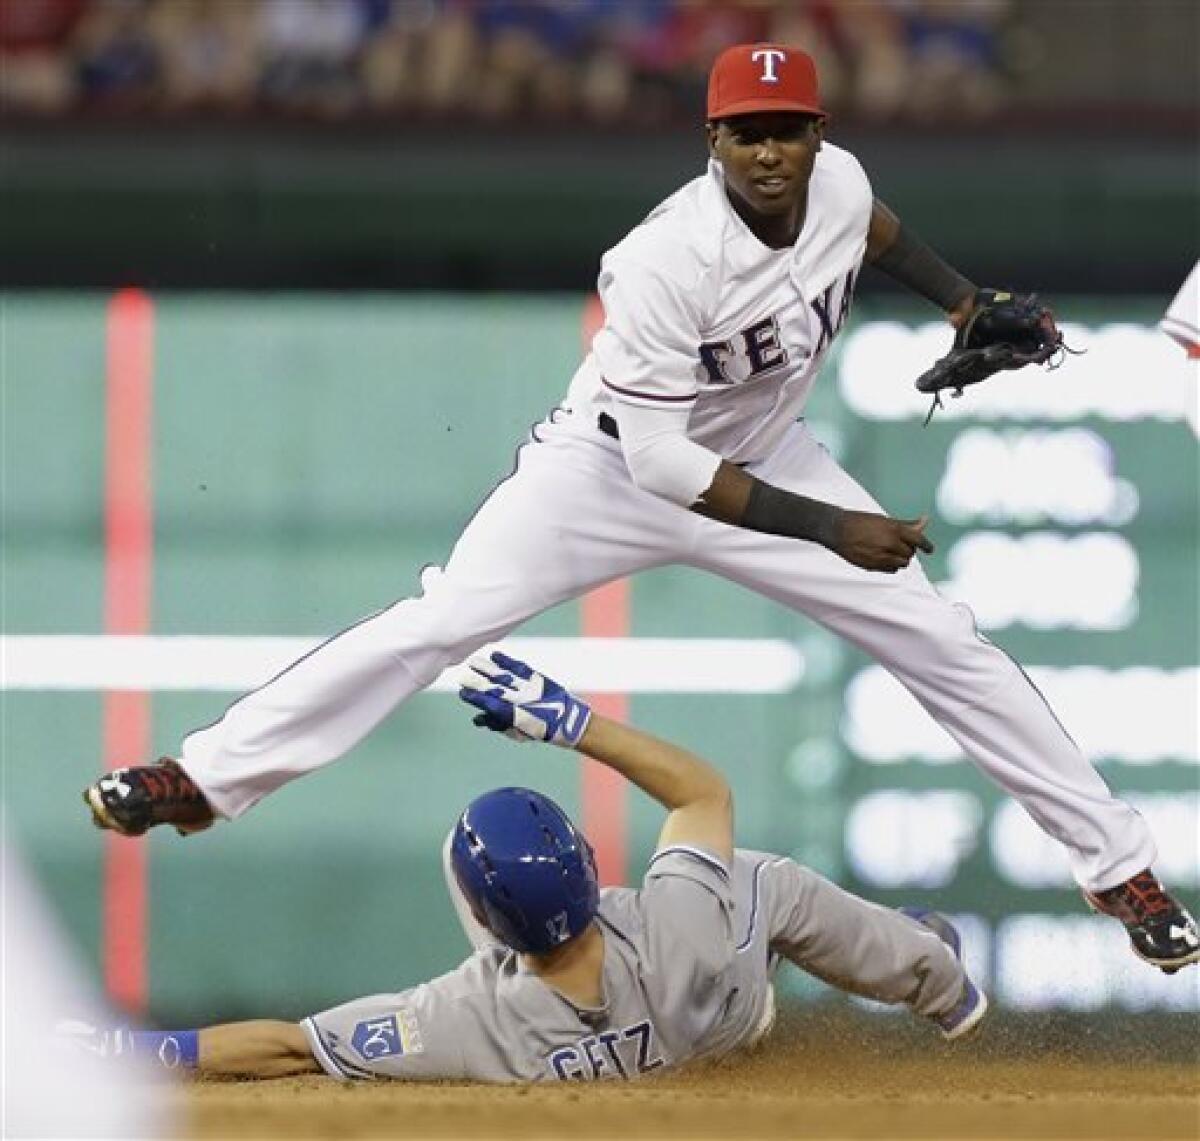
777	512
911	262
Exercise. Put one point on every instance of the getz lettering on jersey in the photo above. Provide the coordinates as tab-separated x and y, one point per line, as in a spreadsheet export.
759	349
625	1053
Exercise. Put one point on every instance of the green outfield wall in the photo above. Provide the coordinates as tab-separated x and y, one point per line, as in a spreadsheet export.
312	453
449	207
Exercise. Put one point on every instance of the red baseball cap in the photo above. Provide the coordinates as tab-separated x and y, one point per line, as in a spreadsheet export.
762	77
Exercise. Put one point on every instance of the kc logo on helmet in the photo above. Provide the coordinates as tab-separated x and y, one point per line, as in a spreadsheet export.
770	57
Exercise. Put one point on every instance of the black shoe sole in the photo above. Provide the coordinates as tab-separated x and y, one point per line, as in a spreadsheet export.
1167	966
101	816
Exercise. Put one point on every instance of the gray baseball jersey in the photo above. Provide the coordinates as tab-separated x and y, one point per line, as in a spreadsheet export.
687	975
682	979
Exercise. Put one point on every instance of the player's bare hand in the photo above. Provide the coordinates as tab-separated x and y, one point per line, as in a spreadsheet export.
879	543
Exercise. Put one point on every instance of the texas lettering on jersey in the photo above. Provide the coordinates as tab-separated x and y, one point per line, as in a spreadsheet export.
759	349
831	308
751	353
626	1053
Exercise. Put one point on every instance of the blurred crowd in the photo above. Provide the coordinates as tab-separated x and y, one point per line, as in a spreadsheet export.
603	61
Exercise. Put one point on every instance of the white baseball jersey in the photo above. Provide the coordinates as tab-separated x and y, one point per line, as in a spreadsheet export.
702	315
687	975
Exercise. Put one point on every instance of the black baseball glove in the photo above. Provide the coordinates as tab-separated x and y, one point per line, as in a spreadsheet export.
1003	331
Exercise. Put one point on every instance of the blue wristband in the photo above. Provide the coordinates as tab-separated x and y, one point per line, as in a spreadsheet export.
171	1049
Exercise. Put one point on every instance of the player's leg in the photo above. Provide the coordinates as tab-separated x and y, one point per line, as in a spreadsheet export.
979	695
971	687
862	948
565	521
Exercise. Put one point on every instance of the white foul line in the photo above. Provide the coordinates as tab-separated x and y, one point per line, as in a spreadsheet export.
235	664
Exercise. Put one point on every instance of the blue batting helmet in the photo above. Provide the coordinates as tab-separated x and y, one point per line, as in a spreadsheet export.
525	869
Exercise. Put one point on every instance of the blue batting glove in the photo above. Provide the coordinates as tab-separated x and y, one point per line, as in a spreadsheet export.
516	700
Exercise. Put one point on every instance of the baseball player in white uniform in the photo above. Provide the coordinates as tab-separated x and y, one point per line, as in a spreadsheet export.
681	441
568	982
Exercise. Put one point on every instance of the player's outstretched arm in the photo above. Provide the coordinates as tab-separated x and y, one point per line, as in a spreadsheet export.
698	796
255	1049
516	700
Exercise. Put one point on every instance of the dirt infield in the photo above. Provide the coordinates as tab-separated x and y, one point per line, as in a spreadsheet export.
842	1086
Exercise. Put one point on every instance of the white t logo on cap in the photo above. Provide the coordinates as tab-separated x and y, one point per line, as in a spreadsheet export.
769	56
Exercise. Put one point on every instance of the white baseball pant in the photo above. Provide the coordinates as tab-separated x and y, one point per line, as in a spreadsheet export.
568	519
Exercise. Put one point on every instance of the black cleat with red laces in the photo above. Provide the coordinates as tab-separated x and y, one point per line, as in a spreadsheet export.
1161	931
132	801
